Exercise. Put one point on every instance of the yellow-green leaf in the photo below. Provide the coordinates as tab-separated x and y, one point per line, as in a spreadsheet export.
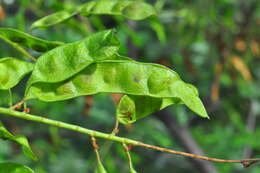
12	71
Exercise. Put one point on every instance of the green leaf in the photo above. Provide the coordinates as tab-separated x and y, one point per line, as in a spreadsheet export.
21	140
135	10
132	170
12	71
26	40
93	66
100	168
8	167
65	61
122	76
133	107
159	30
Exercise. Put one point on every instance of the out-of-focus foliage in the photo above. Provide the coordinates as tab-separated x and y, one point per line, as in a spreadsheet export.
17	37
135	10
21	140
214	45
14	168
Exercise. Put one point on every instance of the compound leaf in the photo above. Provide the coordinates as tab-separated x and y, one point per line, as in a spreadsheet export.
12	71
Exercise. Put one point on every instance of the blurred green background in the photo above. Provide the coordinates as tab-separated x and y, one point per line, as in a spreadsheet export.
213	44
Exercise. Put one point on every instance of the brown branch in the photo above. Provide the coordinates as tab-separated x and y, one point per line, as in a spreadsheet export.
245	162
94	143
18	105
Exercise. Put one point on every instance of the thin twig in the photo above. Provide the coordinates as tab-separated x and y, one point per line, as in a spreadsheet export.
94	143
128	155
245	162
107	145
96	148
17	105
116	129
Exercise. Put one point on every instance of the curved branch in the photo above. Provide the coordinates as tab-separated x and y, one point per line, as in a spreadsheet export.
30	117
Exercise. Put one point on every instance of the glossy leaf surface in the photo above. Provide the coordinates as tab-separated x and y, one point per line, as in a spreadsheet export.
12	71
28	41
65	61
127	77
14	168
135	10
93	66
21	140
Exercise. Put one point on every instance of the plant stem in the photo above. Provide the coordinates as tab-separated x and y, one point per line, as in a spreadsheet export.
30	117
66	126
18	104
128	156
18	48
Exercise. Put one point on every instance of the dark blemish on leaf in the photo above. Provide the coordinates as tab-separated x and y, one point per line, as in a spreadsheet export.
18	39
129	115
136	79
39	48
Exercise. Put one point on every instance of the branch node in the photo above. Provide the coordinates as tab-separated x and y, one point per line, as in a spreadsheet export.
94	143
116	128
18	105
248	163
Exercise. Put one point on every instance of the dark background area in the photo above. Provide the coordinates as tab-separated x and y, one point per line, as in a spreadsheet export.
213	44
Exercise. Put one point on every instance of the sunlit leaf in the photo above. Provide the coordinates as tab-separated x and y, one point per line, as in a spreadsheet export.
65	61
12	71
127	77
21	140
28	41
135	10
8	167
93	66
